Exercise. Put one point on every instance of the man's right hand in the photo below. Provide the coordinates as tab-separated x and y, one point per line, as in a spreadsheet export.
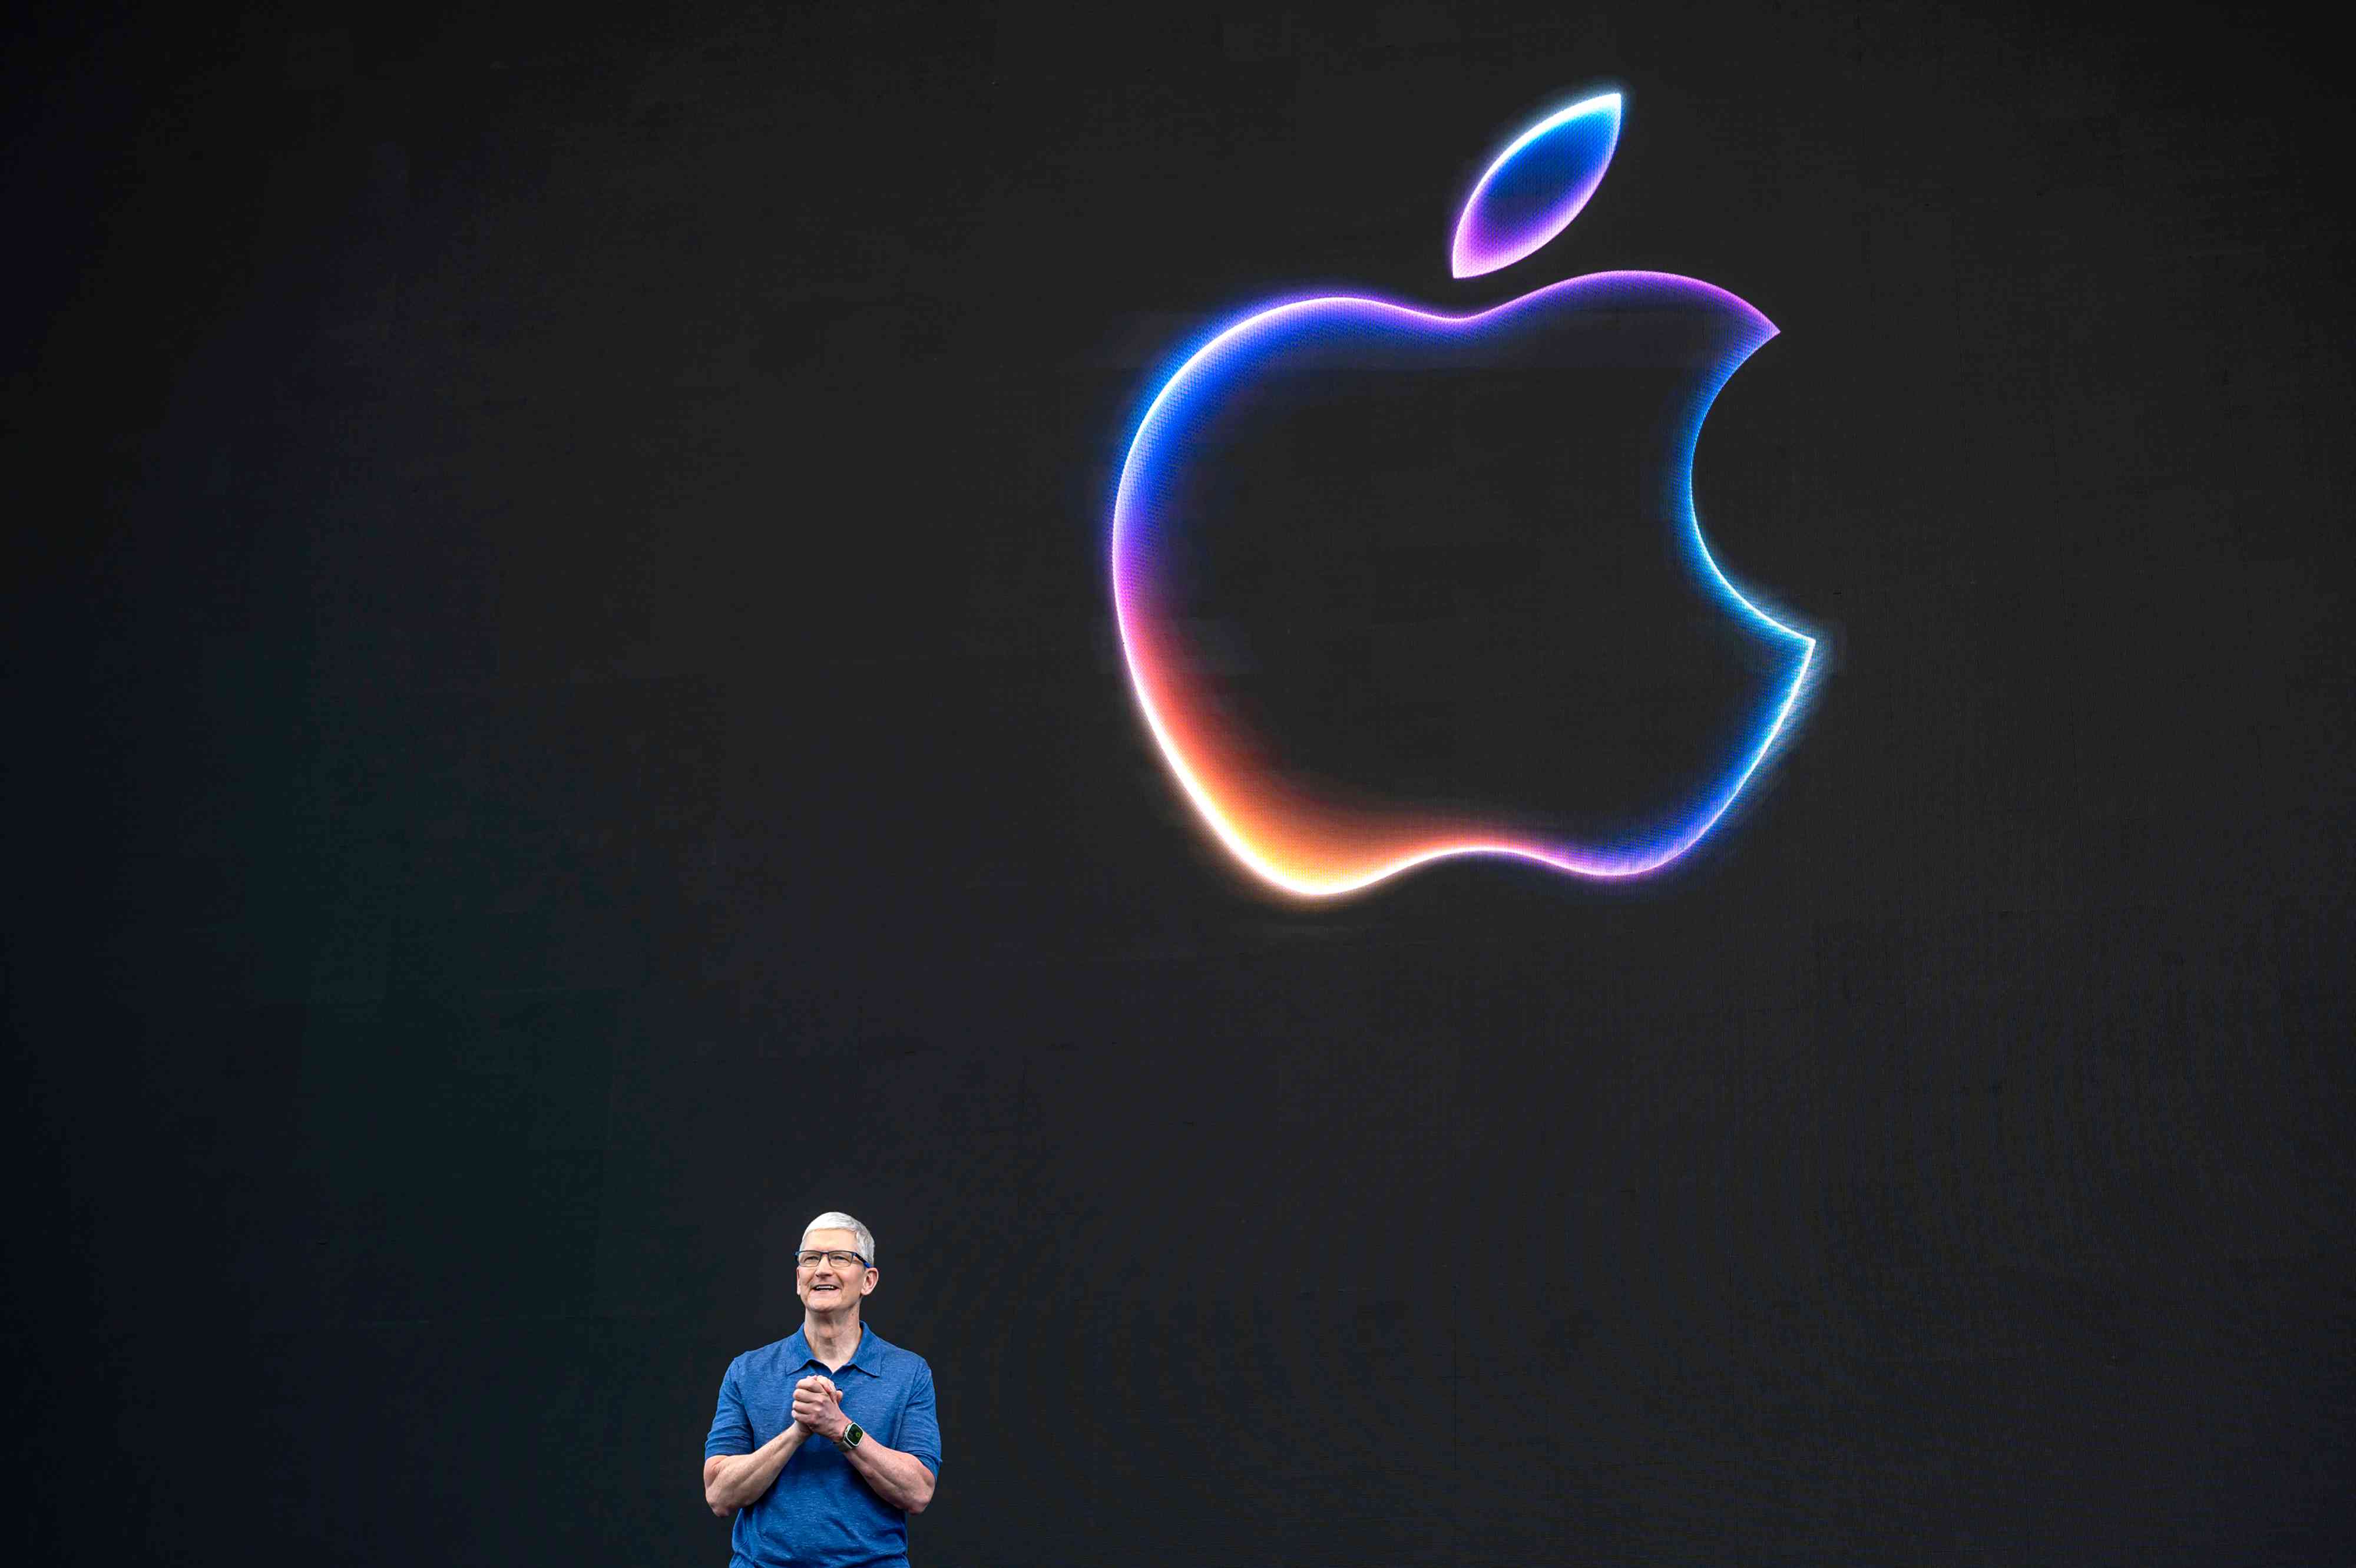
730	1481
812	1381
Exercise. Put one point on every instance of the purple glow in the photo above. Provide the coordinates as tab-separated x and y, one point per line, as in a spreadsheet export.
1278	824
1536	185
1283	837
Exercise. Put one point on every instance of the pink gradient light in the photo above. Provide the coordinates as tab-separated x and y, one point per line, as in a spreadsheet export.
1532	190
1310	841
1277	828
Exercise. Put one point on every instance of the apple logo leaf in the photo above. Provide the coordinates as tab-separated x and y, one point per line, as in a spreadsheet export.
1536	185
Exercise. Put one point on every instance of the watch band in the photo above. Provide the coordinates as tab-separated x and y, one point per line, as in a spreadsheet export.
849	1438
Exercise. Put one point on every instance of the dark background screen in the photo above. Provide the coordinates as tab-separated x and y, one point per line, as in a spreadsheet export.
565	717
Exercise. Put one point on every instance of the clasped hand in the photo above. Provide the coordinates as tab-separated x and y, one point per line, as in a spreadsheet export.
817	1406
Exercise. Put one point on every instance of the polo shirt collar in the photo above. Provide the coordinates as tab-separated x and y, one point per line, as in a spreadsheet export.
863	1356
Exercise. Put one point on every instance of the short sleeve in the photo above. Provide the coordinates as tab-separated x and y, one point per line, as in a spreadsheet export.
731	1431
920	1425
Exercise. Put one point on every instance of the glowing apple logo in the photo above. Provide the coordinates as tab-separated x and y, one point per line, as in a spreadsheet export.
1673	339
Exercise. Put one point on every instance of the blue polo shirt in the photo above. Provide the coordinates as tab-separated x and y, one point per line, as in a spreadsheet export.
818	1513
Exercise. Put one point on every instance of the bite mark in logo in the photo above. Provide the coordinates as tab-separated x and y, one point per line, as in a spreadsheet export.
1278	827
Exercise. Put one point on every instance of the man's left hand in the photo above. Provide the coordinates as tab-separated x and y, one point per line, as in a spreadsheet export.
818	1405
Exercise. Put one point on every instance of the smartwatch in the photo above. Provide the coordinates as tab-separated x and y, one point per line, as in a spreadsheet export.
850	1439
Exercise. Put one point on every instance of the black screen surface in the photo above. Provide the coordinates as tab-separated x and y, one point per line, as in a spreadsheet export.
567	718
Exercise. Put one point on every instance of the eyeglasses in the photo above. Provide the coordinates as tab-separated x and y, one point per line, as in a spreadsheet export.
839	1260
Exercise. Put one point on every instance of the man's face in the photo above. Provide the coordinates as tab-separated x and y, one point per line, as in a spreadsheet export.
830	1286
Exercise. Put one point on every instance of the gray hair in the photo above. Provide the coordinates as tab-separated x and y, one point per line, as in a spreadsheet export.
835	1219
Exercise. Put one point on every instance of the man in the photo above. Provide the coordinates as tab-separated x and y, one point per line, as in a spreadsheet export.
842	1501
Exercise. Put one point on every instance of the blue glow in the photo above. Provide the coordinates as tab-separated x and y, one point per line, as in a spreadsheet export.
1272	825
1536	187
